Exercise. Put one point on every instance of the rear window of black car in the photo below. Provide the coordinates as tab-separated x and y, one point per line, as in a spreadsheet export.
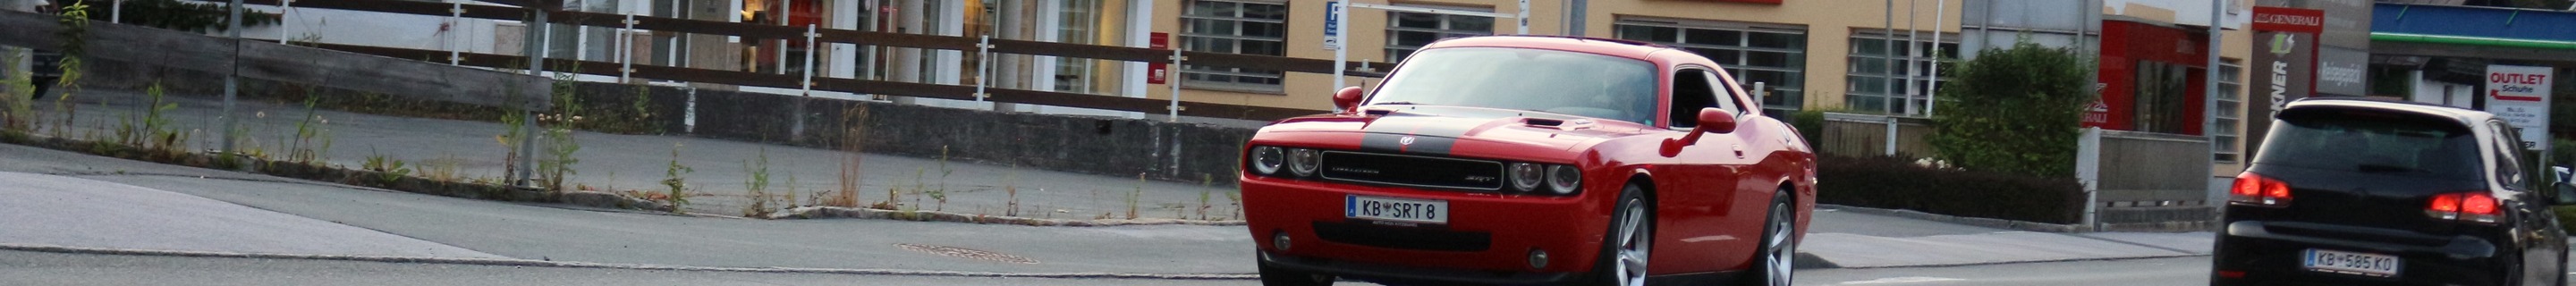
2373	142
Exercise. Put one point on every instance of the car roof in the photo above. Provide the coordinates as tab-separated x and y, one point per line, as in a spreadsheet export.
1611	47
2464	115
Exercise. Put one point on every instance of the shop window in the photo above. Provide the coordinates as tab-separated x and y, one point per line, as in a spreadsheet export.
2223	135
2160	97
1869	88
1771	54
1409	31
1235	27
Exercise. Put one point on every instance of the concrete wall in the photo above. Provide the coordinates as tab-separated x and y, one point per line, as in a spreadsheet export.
1110	146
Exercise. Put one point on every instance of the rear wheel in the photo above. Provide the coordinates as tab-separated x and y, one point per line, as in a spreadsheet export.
1273	276
1631	237
1779	244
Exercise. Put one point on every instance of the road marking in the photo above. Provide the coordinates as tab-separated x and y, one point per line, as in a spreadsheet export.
1900	280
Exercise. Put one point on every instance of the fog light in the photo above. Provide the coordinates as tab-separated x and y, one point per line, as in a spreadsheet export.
1538	258
1279	241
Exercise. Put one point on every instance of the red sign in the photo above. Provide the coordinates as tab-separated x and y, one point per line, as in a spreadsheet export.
1158	73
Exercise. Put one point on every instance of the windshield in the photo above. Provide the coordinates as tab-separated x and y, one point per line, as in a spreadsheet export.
2402	146
1571	83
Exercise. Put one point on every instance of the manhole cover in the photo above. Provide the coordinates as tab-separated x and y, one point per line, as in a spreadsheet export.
952	251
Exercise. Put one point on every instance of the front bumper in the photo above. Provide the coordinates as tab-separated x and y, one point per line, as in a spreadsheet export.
1488	238
2272	253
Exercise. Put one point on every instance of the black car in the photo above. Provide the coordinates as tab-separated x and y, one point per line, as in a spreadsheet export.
2355	191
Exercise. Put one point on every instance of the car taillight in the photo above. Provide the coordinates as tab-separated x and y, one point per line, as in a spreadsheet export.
2475	207
2256	190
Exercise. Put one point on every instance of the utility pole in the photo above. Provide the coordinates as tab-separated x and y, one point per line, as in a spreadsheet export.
232	81
537	31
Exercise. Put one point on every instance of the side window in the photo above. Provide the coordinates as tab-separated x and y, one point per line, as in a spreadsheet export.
2508	163
1695	88
1726	97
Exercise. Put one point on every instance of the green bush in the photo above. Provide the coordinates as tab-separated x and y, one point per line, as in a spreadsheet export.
1897	183
2014	111
2566	217
1810	124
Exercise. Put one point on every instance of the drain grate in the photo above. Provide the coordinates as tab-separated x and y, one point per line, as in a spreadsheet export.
952	251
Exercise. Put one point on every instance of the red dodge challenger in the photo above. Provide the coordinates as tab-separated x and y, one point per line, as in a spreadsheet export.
1533	160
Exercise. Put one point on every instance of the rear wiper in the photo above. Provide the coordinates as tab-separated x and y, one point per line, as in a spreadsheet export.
1394	103
2377	168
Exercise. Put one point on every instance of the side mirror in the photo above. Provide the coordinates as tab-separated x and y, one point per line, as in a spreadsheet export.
2564	194
1348	99
1711	120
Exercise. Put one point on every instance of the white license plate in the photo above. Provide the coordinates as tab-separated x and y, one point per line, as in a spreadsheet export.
2352	262
1394	209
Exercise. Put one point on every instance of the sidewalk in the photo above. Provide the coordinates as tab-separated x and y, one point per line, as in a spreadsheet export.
718	182
1853	240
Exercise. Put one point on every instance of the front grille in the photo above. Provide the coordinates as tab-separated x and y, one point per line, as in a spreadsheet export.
1413	171
1415	238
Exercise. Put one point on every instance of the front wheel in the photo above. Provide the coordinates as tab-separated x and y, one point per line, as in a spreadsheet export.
1630	238
1779	244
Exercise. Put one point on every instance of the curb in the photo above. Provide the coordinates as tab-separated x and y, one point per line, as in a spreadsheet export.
618	266
2027	261
818	212
1972	221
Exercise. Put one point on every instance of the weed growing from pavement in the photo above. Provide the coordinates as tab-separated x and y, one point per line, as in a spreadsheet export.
941	194
1204	180
19	116
154	134
75	23
758	185
512	120
1136	194
389	170
442	169
852	143
560	143
1011	187
303	149
678	197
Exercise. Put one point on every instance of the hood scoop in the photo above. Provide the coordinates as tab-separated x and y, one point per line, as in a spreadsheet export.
1559	124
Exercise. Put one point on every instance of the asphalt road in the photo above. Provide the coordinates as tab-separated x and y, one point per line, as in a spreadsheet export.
42	268
560	233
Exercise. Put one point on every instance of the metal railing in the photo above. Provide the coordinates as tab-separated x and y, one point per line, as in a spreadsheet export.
968	44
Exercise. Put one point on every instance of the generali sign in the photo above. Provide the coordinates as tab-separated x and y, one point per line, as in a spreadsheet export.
2284	63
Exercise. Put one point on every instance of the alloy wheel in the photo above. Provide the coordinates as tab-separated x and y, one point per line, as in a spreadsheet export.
1634	243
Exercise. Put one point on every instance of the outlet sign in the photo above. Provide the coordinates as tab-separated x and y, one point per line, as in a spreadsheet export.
2520	96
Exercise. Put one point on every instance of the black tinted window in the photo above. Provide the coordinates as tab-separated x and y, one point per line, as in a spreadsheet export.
1552	81
2374	143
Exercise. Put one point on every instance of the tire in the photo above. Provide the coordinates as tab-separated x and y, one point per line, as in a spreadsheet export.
1774	264
1627	243
2562	267
1273	276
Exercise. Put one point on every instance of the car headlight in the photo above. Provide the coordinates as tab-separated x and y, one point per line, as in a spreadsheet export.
1266	160
1304	162
1526	177
1564	179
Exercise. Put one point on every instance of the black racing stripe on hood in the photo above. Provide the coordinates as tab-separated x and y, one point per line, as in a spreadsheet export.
1394	143
1431	135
